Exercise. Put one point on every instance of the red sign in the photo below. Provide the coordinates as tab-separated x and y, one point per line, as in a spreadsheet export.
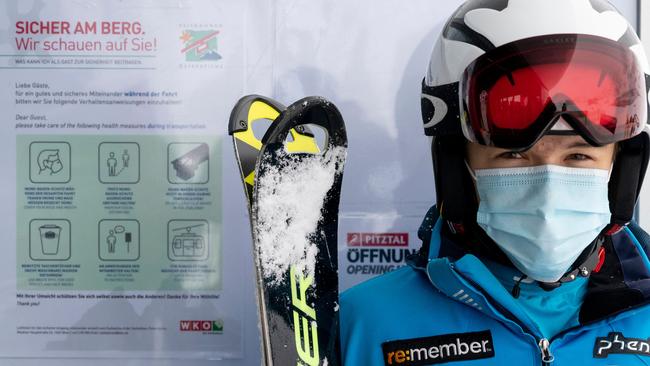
378	239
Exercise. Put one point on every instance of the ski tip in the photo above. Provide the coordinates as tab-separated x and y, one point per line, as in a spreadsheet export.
309	111
251	107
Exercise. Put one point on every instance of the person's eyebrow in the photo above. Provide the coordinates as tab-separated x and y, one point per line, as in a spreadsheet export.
579	144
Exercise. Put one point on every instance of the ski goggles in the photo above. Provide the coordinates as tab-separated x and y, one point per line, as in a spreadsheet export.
511	96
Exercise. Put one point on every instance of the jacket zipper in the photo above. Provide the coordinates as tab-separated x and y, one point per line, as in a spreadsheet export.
547	356
543	344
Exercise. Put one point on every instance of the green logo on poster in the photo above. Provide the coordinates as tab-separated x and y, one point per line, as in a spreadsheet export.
217	326
200	45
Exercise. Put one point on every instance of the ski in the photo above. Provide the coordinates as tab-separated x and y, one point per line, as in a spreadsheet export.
248	112
293	189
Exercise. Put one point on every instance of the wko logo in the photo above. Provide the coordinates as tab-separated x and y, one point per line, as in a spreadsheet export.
378	239
206	326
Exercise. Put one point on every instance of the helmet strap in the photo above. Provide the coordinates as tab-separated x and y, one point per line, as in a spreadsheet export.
626	178
456	199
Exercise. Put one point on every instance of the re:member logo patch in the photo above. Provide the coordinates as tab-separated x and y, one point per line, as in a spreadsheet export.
438	349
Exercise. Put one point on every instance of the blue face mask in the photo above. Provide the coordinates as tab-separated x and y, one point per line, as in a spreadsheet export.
543	217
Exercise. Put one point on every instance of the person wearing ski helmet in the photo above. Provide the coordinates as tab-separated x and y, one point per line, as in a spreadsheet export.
537	112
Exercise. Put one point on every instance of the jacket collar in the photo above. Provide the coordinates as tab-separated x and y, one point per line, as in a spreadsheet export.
622	283
468	280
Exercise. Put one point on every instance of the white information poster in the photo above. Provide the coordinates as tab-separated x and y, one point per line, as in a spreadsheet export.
112	180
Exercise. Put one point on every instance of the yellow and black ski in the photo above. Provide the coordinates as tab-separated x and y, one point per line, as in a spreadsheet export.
298	315
250	110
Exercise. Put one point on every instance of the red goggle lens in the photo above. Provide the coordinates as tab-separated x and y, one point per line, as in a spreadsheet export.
594	83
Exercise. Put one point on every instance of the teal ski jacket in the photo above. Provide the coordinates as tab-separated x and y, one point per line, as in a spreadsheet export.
452	310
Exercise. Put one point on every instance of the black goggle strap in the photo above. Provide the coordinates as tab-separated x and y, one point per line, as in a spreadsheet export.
440	110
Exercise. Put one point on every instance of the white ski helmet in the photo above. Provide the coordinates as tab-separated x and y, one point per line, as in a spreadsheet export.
503	72
506	72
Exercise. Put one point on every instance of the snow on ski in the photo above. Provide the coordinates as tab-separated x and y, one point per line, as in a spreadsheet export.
293	190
